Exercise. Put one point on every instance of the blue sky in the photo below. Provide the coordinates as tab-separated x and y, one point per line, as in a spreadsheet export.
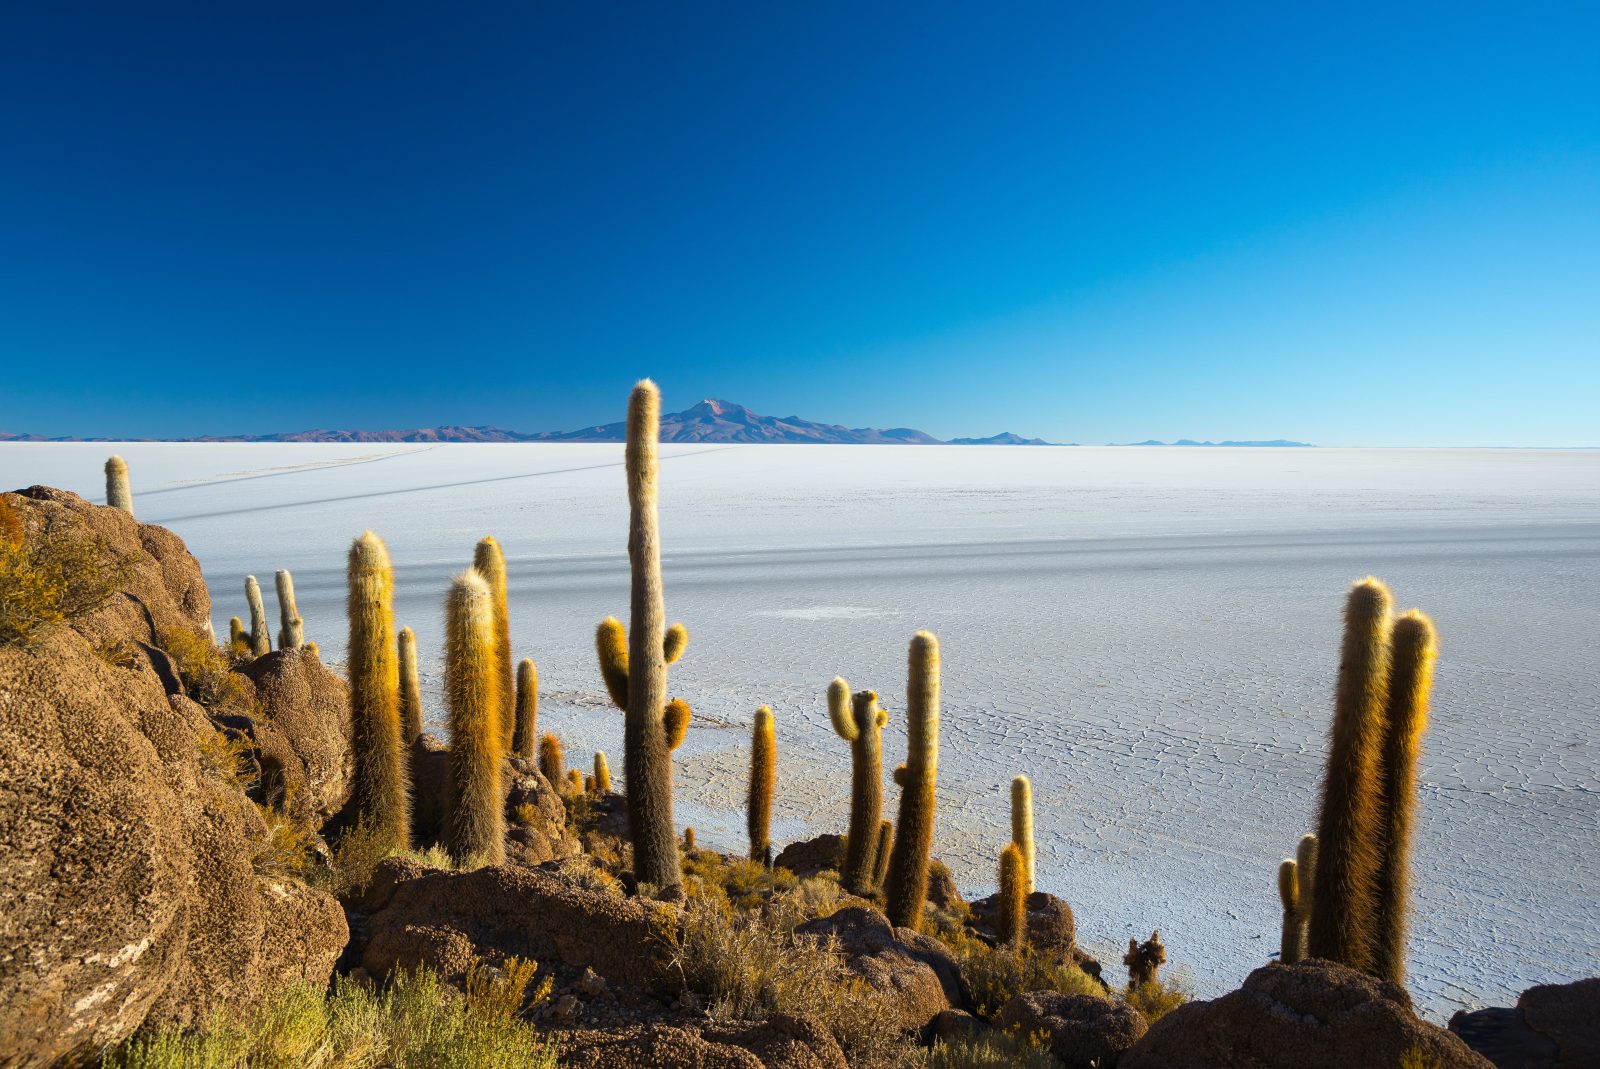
1362	225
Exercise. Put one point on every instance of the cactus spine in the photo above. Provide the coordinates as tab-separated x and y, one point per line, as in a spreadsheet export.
524	741
291	629
380	791
880	864
763	776
260	637
410	689
1342	917
1022	826
1414	649
552	762
906	886
858	720
1013	920
118	493
602	773
491	564
475	823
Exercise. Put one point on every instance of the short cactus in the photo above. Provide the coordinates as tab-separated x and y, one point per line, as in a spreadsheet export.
238	637
588	784
475	817
1022	825
380	790
491	564
552	763
906	885
602	773
260	637
525	739
118	493
574	783
313	650
1290	949
763	776
1144	960
1013	919
858	720
291	629
410	689
688	840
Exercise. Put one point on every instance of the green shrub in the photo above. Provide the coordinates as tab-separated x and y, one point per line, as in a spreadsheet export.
51	578
996	975
207	673
1156	998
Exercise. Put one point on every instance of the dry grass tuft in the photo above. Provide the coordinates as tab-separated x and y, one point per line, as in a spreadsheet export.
993	1050
996	975
1160	996
207	674
50	579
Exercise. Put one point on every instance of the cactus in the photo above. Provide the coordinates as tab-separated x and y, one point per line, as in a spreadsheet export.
380	791
1297	914
858	720
475	820
291	629
525	739
574	783
675	723
410	689
763	775
1342	917
314	650
552	763
602	773
1413	650
238	637
906	884
118	494
588	784
1022	825
491	564
880	863
1144	960
260	637
688	840
1013	919
1290	949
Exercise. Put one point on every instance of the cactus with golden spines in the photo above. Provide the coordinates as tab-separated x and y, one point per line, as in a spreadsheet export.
1290	948
688	840
763	777
1022	826
859	720
906	884
574	783
1413	648
602	773
880	863
525	739
1348	830
380	790
410	689
552	763
238	637
314	650
119	495
291	629
260	637
588	784
475	803
1013	920
491	564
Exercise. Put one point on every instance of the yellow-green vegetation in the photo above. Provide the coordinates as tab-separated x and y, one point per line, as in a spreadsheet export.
990	1050
859	720
1417	1058
1012	924
906	884
260	638
415	1021
490	563
410	688
552	762
119	495
1022	827
763	778
525	736
475	813
1160	995
602	773
226	758
732	884
997	974
288	848
207	673
48	579
291	629
381	790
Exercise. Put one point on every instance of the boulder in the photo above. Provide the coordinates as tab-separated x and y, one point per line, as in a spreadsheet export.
917	969
1082	1031
811	856
784	1042
1553	1026
536	817
1050	923
430	780
942	890
303	729
1310	1015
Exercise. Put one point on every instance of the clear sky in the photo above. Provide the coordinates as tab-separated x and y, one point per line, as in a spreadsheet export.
1345	224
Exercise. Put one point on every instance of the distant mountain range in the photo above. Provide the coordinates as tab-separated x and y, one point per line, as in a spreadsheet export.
708	421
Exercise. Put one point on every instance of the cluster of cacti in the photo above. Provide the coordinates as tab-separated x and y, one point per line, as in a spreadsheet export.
859	720
490	563
906	883
1297	881
763	778
1022	827
260	637
525	737
1012	926
410	688
475	818
118	493
381	791
1358	914
1144	960
291	629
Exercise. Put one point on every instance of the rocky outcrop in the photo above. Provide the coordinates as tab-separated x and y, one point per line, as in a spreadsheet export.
536	817
811	856
917	970
1050	922
1552	1026
1310	1015
783	1042
1082	1031
303	729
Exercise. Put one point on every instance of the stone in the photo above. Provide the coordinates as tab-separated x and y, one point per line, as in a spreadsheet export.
1083	1031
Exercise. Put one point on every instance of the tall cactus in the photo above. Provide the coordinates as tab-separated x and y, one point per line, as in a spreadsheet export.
1022	826
1414	649
291	629
260	637
525	739
118	493
906	886
475	822
1013	920
491	564
763	776
858	720
381	792
1342	917
410	689
602	774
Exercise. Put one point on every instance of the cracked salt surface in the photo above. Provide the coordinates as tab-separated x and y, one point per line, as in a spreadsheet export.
1150	634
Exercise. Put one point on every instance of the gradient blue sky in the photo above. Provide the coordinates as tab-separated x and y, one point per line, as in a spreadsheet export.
1349	225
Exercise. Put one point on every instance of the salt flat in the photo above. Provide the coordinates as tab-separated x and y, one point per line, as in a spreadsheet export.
1151	634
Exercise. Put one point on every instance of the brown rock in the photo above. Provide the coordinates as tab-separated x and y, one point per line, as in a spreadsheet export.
1553	1026
430	781
1084	1032
811	856
543	835
306	709
1050	923
918	970
942	890
784	1042
1310	1015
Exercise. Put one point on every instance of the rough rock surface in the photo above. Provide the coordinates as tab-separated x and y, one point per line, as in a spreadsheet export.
545	836
811	856
307	711
942	890
128	892
1050	923
1083	1032
1553	1026
917	969
1310	1015
784	1042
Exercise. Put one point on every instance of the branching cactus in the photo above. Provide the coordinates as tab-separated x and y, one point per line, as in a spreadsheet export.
1414	649
1144	960
1022	825
260	637
291	629
475	822
118	493
906	886
491	564
858	720
763	777
381	792
1342	918
525	740
1013	920
602	774
551	760
1297	914
410	689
